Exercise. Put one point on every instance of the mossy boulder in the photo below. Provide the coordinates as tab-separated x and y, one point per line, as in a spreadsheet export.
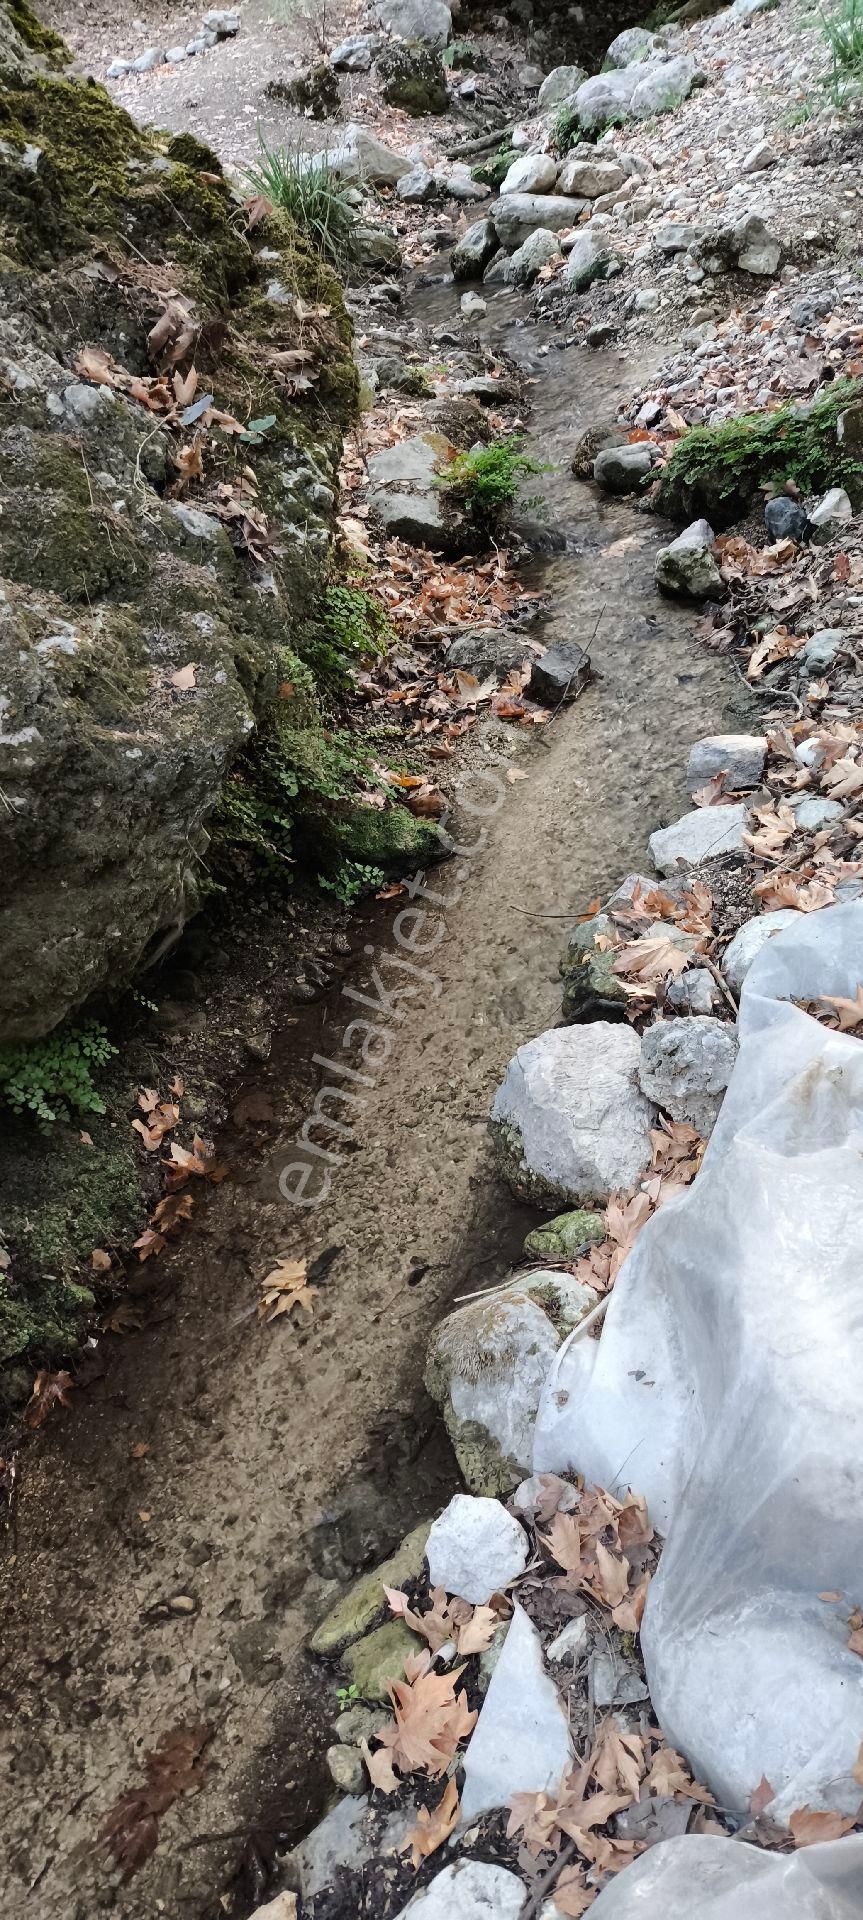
567	1236
591	988
413	78
715	472
314	92
145	614
373	1662
365	1602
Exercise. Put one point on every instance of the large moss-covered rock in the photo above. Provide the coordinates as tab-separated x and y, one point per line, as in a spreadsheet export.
379	1658
365	1601
144	611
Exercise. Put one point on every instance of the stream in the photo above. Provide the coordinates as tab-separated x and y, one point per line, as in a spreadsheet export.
272	1470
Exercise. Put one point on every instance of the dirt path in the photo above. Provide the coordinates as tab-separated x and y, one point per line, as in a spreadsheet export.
215	1459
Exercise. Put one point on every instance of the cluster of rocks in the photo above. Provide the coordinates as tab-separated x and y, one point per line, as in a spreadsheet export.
218	24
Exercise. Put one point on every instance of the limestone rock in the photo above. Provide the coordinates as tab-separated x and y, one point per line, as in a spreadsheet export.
345	1768
570	1643
468	1890
591	985
586	177
375	250
485	650
569	1122
615	1682
472	306
811	812
520	1742
622	469
457	180
694	991
528	259
428	22
360	1607
361	156
486	1367
477	246
354	55
634	44
378	1658
749	940
821	649
758	158
475	1548
741	756
338	1840
663	86
417	186
686	1066
517	215
698	836
835	505
404	495
758	250
560	86
687	566
606	96
588	261
532	173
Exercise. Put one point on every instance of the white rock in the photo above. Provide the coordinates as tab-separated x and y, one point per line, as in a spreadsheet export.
520	1742
337	1841
749	940
469	1890
533	173
517	215
528	260
458	181
427	21
693	992
473	306
758	158
175	54
475	1548
354	55
811	812
648	299
634	44
588	176
834	506
663	87
739	755
606	96
687	566
360	156
569	1121
697	1875
154	57
758	250
560	86
202	526
284	1907
570	1643
118	68
686	1066
698	836
417	186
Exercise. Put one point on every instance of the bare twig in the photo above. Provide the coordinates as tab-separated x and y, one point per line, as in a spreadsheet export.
721	982
536	1900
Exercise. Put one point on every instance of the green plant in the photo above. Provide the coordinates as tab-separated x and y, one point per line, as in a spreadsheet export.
346	1695
493	172
485	481
311	191
48	1078
843	32
565	131
351	880
799	115
716	471
356	622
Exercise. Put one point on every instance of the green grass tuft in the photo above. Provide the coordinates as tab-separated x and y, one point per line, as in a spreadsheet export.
312	193
485	482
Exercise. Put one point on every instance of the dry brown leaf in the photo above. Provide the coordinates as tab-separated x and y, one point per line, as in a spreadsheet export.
99	1260
478	1632
433	1827
612	1576
148	1243
849	1012
429	1720
810	1824
570	1895
286	1290
761	1796
189	461
184	679
49	1390
380	1768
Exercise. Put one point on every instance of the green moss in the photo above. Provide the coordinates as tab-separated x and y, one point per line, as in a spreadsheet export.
188	151
716	471
55	534
35	35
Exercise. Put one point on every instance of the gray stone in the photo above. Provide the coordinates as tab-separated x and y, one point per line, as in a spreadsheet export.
606	96
740	756
745	9
570	1643
520	1742
428	22
473	306
759	158
154	57
474	251
356	54
468	1890
485	650
811	812
622	469
835	505
359	1723
749	940
648	300
360	156
528	1497
821	649
517	215
758	250
201	526
532	173
567	1236
375	250
345	1768
337	1841
417	186
223	22
175	54
529	259
675	237
693	992
615	1683
403	491
475	1548
458	181
785	519
686	1066
569	1122
586	176
698	836
687	566
560	86
487	1364
634	44
588	261
663	87
561	674
531	78
497	271
118	68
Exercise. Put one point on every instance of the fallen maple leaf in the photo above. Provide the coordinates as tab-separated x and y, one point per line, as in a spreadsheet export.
849	1012
478	1632
433	1828
131	1829
570	1895
563	1541
761	1796
285	1289
49	1390
184	679
810	1824
429	1720
612	1576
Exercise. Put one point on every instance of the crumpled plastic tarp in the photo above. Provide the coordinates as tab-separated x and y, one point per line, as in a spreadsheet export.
727	1387
699	1878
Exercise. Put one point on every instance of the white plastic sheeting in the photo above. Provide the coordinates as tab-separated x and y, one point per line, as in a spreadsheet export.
699	1878
728	1387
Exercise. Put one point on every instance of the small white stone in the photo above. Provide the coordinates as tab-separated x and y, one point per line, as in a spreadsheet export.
571	1641
469	1890
475	1548
698	836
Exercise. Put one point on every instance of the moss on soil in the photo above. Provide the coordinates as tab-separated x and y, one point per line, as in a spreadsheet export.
716	471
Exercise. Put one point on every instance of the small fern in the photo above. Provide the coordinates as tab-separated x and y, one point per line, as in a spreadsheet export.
53	1078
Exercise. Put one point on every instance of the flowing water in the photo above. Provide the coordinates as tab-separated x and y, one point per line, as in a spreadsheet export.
273	1470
